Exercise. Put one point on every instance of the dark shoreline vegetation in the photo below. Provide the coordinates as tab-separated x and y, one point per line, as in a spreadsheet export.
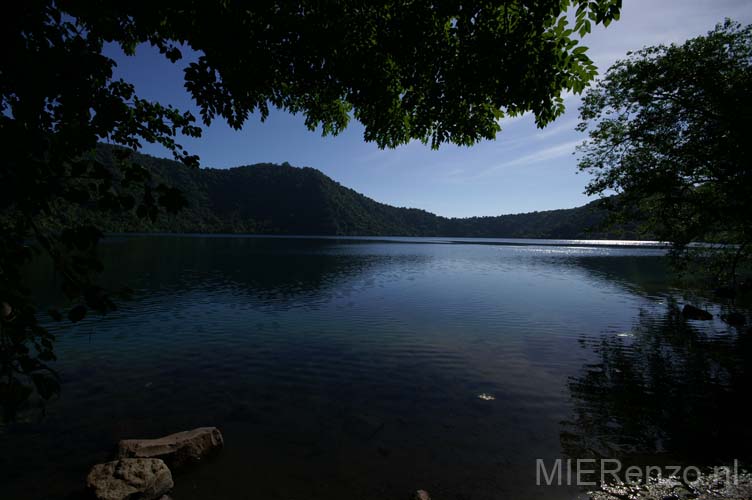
272	199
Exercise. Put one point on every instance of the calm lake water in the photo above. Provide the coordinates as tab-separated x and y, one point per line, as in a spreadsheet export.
352	368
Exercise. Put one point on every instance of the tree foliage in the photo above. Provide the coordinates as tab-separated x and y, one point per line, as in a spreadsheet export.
668	131
438	72
435	71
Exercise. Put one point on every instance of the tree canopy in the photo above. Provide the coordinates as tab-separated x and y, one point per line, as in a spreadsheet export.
668	131
434	71
438	72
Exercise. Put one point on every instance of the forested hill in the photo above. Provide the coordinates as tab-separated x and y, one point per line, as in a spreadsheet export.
281	199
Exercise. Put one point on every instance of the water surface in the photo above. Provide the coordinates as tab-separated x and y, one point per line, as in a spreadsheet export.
351	368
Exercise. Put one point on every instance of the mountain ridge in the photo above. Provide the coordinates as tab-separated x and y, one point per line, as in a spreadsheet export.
269	198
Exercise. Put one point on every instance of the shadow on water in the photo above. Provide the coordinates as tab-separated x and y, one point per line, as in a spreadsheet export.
670	391
170	264
642	275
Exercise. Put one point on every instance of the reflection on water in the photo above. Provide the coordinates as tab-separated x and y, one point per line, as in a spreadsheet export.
667	392
347	368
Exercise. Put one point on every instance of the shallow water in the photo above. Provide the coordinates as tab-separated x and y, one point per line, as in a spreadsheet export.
346	368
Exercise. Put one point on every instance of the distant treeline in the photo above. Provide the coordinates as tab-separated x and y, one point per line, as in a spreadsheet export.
281	199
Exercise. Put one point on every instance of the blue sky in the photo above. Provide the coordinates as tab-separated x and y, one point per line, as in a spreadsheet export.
523	170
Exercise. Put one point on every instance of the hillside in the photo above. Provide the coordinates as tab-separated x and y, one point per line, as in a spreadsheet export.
281	199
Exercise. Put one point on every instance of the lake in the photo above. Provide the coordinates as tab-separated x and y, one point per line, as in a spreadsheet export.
353	368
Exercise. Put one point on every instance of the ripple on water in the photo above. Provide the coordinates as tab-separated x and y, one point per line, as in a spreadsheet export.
339	369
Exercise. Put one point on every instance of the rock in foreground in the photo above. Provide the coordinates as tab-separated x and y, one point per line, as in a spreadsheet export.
692	312
710	486
143	478
175	449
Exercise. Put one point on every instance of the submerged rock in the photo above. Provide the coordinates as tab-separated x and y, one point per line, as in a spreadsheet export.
127	478
175	449
735	319
5	310
692	312
725	292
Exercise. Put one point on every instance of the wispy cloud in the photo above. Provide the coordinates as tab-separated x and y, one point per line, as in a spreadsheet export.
557	128
549	153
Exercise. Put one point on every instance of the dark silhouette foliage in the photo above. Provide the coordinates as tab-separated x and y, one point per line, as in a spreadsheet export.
668	131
